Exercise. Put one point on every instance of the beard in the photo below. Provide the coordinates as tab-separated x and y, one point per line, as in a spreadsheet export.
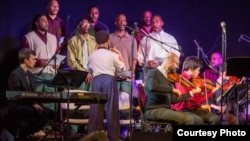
44	28
172	70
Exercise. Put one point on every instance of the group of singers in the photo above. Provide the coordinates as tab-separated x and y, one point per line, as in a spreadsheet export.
151	54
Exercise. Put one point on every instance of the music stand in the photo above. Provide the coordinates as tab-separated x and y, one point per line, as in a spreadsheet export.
68	79
240	67
227	93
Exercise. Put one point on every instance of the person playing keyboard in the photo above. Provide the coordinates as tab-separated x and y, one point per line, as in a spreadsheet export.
25	119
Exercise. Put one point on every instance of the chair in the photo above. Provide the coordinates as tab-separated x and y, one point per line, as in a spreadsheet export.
149	125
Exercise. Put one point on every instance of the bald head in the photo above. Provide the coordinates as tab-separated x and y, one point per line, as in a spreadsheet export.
171	62
170	56
53	8
216	59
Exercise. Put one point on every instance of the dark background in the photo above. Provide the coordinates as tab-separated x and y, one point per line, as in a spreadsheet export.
186	20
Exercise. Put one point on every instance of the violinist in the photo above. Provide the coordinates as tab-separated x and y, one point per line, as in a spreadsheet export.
212	73
228	117
161	93
194	106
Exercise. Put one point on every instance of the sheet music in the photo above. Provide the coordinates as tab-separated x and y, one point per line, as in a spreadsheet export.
59	59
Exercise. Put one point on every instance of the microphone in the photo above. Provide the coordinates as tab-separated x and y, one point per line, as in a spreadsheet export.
130	28
181	52
133	27
223	25
68	17
136	26
67	24
241	36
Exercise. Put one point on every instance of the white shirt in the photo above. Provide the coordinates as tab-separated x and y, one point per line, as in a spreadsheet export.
103	61
157	49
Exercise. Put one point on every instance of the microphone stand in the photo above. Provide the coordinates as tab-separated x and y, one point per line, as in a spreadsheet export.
132	78
67	24
103	25
145	55
204	56
198	48
244	37
63	45
52	58
163	43
224	45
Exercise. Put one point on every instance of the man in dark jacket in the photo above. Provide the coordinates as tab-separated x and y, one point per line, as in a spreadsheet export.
161	93
28	114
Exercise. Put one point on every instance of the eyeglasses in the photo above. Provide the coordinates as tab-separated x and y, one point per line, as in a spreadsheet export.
85	24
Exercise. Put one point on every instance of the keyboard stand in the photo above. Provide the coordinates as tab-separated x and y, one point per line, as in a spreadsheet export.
54	126
80	98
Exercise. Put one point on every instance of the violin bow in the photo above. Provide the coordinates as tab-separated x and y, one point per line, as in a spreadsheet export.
204	77
242	80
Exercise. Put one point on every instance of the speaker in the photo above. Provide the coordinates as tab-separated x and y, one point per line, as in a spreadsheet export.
147	136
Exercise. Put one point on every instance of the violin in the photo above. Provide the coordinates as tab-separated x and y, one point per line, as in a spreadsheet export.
174	77
232	80
203	83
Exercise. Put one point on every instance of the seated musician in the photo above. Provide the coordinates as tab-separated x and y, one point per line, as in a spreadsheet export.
26	114
227	109
194	106
214	74
161	93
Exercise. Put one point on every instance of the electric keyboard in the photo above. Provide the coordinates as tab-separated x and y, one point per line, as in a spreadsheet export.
74	97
